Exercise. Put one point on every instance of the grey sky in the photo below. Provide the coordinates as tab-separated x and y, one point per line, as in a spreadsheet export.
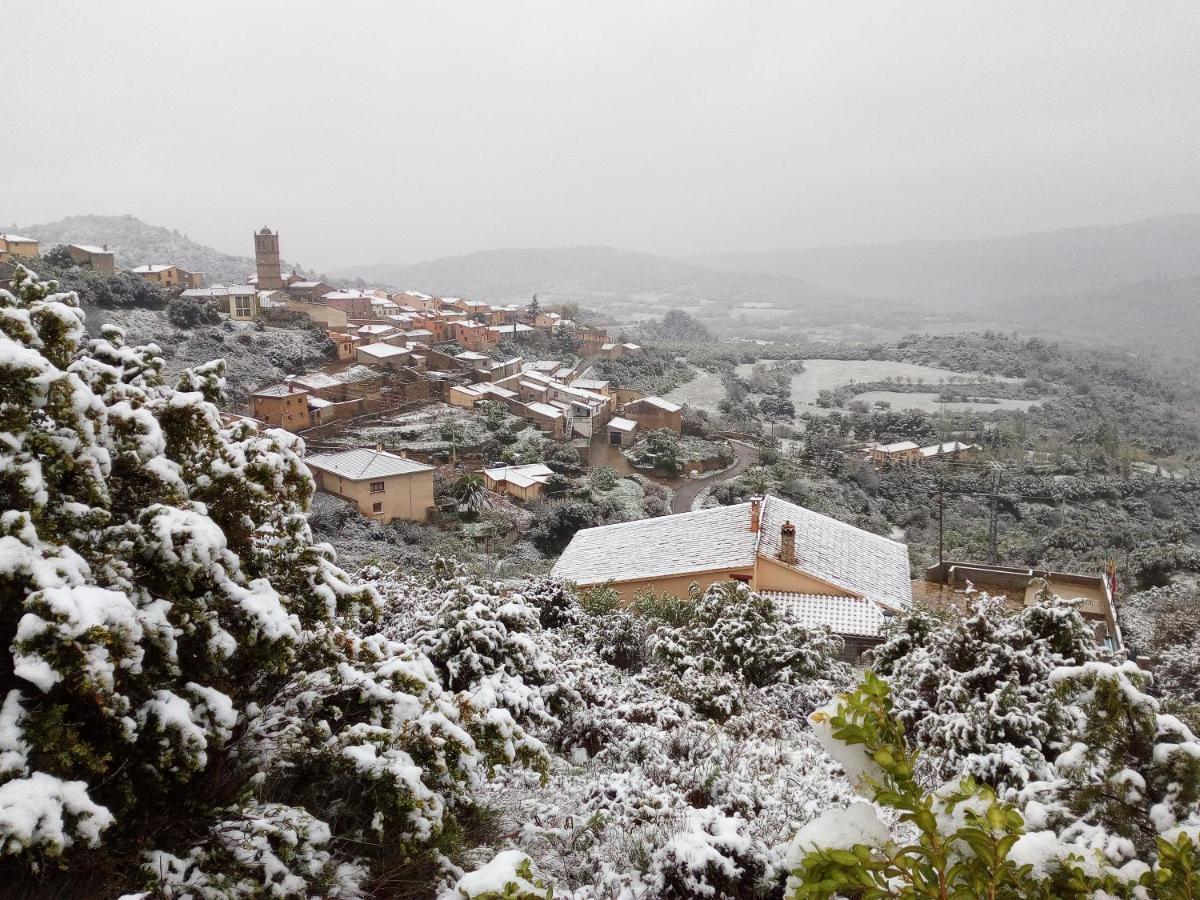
395	131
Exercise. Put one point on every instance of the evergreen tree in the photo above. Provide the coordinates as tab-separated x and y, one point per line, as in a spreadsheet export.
180	670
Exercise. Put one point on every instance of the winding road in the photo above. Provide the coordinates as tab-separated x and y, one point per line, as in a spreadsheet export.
686	495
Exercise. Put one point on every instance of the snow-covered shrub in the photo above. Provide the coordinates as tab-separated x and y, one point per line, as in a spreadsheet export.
556	604
621	641
735	631
974	689
508	876
960	840
181	649
713	857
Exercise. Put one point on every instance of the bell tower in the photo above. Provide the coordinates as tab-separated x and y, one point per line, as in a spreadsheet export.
266	259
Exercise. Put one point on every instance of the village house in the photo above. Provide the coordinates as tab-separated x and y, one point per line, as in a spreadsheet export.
901	453
308	290
526	482
238	301
89	256
373	333
468	396
168	276
955	583
512	332
416	300
621	431
282	406
329	316
473	336
14	246
382	355
952	450
382	485
819	571
346	344
355	306
549	419
595	385
546	320
652	413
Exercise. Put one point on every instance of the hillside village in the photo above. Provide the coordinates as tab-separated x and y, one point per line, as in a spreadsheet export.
600	515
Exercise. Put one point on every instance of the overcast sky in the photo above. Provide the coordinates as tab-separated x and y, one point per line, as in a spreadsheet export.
396	132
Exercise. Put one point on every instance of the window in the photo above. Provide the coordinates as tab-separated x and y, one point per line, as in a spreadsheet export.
376	507
377	487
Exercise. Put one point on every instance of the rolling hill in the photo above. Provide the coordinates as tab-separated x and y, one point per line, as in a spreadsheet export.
136	243
970	276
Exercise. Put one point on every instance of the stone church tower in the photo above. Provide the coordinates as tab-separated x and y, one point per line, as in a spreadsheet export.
266	257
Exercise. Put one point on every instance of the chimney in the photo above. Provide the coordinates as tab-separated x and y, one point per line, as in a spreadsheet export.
106	248
787	543
379	448
755	514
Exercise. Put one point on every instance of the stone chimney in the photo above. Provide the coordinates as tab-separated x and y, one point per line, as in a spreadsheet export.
787	543
755	514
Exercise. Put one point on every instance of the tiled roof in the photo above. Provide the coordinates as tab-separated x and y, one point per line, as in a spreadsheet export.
360	465
660	403
702	541
845	557
278	390
316	380
545	409
521	476
841	615
831	550
383	351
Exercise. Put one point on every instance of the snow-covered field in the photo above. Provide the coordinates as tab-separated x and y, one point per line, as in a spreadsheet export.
704	391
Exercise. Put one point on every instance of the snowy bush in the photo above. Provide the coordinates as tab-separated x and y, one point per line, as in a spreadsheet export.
961	840
183	652
974	689
732	630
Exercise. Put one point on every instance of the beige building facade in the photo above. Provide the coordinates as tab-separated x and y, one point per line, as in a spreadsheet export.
382	485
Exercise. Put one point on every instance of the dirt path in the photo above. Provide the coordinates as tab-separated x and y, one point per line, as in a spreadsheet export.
746	457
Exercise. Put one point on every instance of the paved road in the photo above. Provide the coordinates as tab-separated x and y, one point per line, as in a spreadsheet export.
746	457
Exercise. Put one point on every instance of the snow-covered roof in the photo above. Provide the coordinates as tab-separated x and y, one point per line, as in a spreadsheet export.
383	351
607	346
318	403
660	403
151	270
304	284
841	615
11	238
279	390
632	346
362	464
357	373
522	476
510	329
376	329
622	424
89	248
545	409
948	447
589	384
703	541
897	447
544	365
829	550
471	356
316	380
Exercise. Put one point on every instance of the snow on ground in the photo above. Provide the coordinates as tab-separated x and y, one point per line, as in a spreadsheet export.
252	358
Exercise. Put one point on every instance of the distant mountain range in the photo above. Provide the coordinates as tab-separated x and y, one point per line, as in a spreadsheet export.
137	243
1134	285
970	275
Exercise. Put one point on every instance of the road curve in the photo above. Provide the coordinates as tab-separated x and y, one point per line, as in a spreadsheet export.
746	457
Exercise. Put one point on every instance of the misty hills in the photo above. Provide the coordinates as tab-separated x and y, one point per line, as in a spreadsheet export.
974	275
137	243
626	285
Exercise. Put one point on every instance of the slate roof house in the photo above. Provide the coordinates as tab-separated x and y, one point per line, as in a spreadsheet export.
818	570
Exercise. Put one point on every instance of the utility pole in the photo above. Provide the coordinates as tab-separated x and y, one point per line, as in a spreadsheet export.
993	528
941	530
